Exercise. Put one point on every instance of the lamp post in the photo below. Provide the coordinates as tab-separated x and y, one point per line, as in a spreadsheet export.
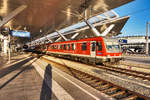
9	55
147	40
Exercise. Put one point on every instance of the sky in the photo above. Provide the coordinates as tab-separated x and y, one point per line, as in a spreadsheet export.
139	12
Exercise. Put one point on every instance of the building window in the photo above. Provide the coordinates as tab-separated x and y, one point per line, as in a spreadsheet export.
84	46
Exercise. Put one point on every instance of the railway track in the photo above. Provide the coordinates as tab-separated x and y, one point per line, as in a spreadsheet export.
106	87
128	72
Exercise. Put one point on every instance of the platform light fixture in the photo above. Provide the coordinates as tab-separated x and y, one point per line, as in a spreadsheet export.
41	31
68	11
4	7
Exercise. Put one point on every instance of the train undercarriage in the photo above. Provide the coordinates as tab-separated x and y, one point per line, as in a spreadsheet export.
88	60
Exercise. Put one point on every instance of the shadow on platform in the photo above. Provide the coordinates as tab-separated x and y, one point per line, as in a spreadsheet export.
46	91
5	71
13	68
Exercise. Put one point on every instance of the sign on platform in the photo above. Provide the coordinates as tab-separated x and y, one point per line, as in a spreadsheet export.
20	33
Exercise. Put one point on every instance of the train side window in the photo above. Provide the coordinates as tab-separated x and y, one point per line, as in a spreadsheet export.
99	46
84	46
73	46
57	46
61	47
48	46
45	47
93	46
42	46
68	46
64	46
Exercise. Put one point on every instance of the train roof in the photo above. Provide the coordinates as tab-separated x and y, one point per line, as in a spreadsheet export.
85	39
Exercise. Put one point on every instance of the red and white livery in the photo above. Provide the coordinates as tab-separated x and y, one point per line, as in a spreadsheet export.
92	50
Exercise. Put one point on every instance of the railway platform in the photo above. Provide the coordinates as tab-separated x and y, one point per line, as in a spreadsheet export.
137	61
28	78
128	82
20	81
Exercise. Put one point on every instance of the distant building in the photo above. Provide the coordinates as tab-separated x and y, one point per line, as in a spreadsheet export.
134	39
133	44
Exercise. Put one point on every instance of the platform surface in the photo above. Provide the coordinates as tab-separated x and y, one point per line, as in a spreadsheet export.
137	60
20	81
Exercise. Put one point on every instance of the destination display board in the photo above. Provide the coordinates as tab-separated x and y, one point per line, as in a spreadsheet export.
123	41
20	33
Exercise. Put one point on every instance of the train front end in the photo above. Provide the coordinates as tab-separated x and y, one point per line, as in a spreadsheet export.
113	50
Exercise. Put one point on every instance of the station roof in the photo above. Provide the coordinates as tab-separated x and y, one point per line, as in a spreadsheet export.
46	16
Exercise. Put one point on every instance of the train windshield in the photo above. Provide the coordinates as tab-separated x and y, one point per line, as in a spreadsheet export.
112	46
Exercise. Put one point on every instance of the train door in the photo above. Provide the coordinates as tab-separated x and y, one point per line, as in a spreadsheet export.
93	48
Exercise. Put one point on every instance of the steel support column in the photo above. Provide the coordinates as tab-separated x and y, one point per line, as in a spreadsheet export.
95	31
108	30
62	35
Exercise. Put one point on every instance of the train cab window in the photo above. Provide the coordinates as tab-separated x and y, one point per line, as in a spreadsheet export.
84	46
73	46
68	46
64	46
93	46
99	46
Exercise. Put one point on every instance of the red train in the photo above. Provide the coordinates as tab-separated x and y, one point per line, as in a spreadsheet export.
92	50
